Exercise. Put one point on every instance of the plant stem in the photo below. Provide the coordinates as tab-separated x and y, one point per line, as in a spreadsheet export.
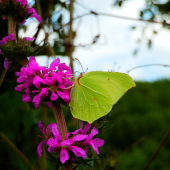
2	76
68	165
157	149
62	129
60	120
11	26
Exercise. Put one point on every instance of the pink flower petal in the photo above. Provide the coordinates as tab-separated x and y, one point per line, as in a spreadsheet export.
44	92
86	129
98	142
93	133
52	142
63	66
66	142
53	96
37	80
26	98
36	101
39	149
40	125
49	105
56	132
20	87
73	133
79	138
79	152
34	14
54	64
65	96
64	155
94	147
6	63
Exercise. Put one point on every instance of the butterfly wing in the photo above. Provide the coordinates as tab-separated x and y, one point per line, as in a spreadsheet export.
96	92
89	100
117	84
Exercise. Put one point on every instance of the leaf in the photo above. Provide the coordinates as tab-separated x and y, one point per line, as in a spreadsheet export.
95	92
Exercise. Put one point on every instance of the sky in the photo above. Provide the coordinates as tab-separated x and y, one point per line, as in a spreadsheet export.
114	49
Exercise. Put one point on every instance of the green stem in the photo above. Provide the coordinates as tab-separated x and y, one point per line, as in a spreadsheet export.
157	149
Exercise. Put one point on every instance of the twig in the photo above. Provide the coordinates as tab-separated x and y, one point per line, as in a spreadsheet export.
114	16
46	34
20	154
148	65
70	49
157	149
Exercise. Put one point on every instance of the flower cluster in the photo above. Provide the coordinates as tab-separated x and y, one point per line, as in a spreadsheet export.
20	10
15	50
46	84
78	143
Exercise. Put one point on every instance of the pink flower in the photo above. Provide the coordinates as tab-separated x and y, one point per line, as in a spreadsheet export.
46	84
20	12
55	144
78	143
9	43
6	63
47	134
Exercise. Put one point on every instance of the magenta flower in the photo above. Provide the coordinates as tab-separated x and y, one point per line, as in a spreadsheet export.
11	46
94	143
21	11
55	144
47	134
77	144
46	84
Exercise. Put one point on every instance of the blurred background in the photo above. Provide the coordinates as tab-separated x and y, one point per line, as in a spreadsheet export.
130	36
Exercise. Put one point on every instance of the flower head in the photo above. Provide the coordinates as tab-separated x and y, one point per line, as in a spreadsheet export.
76	142
46	84
15	50
21	10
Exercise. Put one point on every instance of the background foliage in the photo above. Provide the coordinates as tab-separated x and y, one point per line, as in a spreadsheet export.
139	121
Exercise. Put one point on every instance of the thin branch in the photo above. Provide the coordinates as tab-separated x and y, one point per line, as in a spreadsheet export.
114	16
14	148
70	36
157	149
46	34
148	65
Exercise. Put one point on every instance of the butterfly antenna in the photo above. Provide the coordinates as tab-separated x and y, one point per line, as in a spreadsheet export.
80	64
86	70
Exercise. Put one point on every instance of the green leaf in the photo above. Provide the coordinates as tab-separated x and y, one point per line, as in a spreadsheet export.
95	92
